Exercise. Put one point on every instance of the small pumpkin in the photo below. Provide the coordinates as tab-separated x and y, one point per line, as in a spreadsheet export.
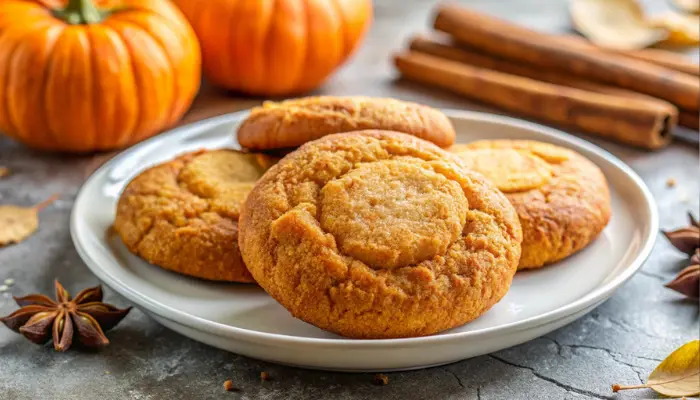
78	78
275	47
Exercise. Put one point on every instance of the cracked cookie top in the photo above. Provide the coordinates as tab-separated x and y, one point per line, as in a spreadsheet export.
182	215
291	123
377	234
561	197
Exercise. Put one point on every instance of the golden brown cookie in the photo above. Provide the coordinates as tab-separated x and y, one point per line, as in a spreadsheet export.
377	234
183	215
294	122
561	197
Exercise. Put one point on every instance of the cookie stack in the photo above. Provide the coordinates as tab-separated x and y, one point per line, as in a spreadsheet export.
357	216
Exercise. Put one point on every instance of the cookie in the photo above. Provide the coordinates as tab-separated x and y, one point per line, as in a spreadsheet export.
561	197
182	215
291	123
378	234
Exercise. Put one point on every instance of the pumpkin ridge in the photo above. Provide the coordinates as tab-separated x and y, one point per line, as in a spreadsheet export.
199	18
312	78
147	125
164	49
229	63
139	103
268	48
5	118
307	49
264	49
95	129
51	134
127	126
343	29
354	37
89	115
50	42
99	132
5	104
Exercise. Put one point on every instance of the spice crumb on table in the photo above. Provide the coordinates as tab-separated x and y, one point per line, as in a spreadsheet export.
380	380
228	386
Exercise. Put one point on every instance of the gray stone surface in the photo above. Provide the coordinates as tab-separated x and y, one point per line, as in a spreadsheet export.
619	342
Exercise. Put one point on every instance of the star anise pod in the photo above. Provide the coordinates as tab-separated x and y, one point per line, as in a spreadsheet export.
687	282
83	318
686	239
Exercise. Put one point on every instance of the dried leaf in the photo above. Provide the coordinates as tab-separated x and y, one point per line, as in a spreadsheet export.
18	223
678	375
4	171
687	282
688	6
615	24
683	29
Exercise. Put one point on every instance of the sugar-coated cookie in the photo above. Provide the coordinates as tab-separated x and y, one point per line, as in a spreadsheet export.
291	123
561	197
379	234
182	215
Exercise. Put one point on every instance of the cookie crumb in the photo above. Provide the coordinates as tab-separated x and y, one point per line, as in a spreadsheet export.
228	386
265	376
670	182
380	380
4	288
4	171
9	282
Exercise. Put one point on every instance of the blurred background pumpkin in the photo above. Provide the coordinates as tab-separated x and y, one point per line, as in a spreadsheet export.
275	47
79	78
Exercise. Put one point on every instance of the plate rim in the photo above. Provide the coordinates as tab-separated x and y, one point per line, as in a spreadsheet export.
597	295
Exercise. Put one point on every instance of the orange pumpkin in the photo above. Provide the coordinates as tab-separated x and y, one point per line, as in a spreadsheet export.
275	47
78	78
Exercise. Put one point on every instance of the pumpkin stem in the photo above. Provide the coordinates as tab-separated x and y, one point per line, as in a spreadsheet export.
81	12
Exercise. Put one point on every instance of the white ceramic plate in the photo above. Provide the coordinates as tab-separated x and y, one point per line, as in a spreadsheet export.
243	319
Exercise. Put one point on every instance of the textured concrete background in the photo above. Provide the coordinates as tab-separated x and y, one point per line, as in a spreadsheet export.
619	342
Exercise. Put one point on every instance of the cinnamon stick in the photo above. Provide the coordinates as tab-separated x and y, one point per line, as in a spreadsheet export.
666	59
659	57
627	120
469	56
461	54
689	119
500	38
